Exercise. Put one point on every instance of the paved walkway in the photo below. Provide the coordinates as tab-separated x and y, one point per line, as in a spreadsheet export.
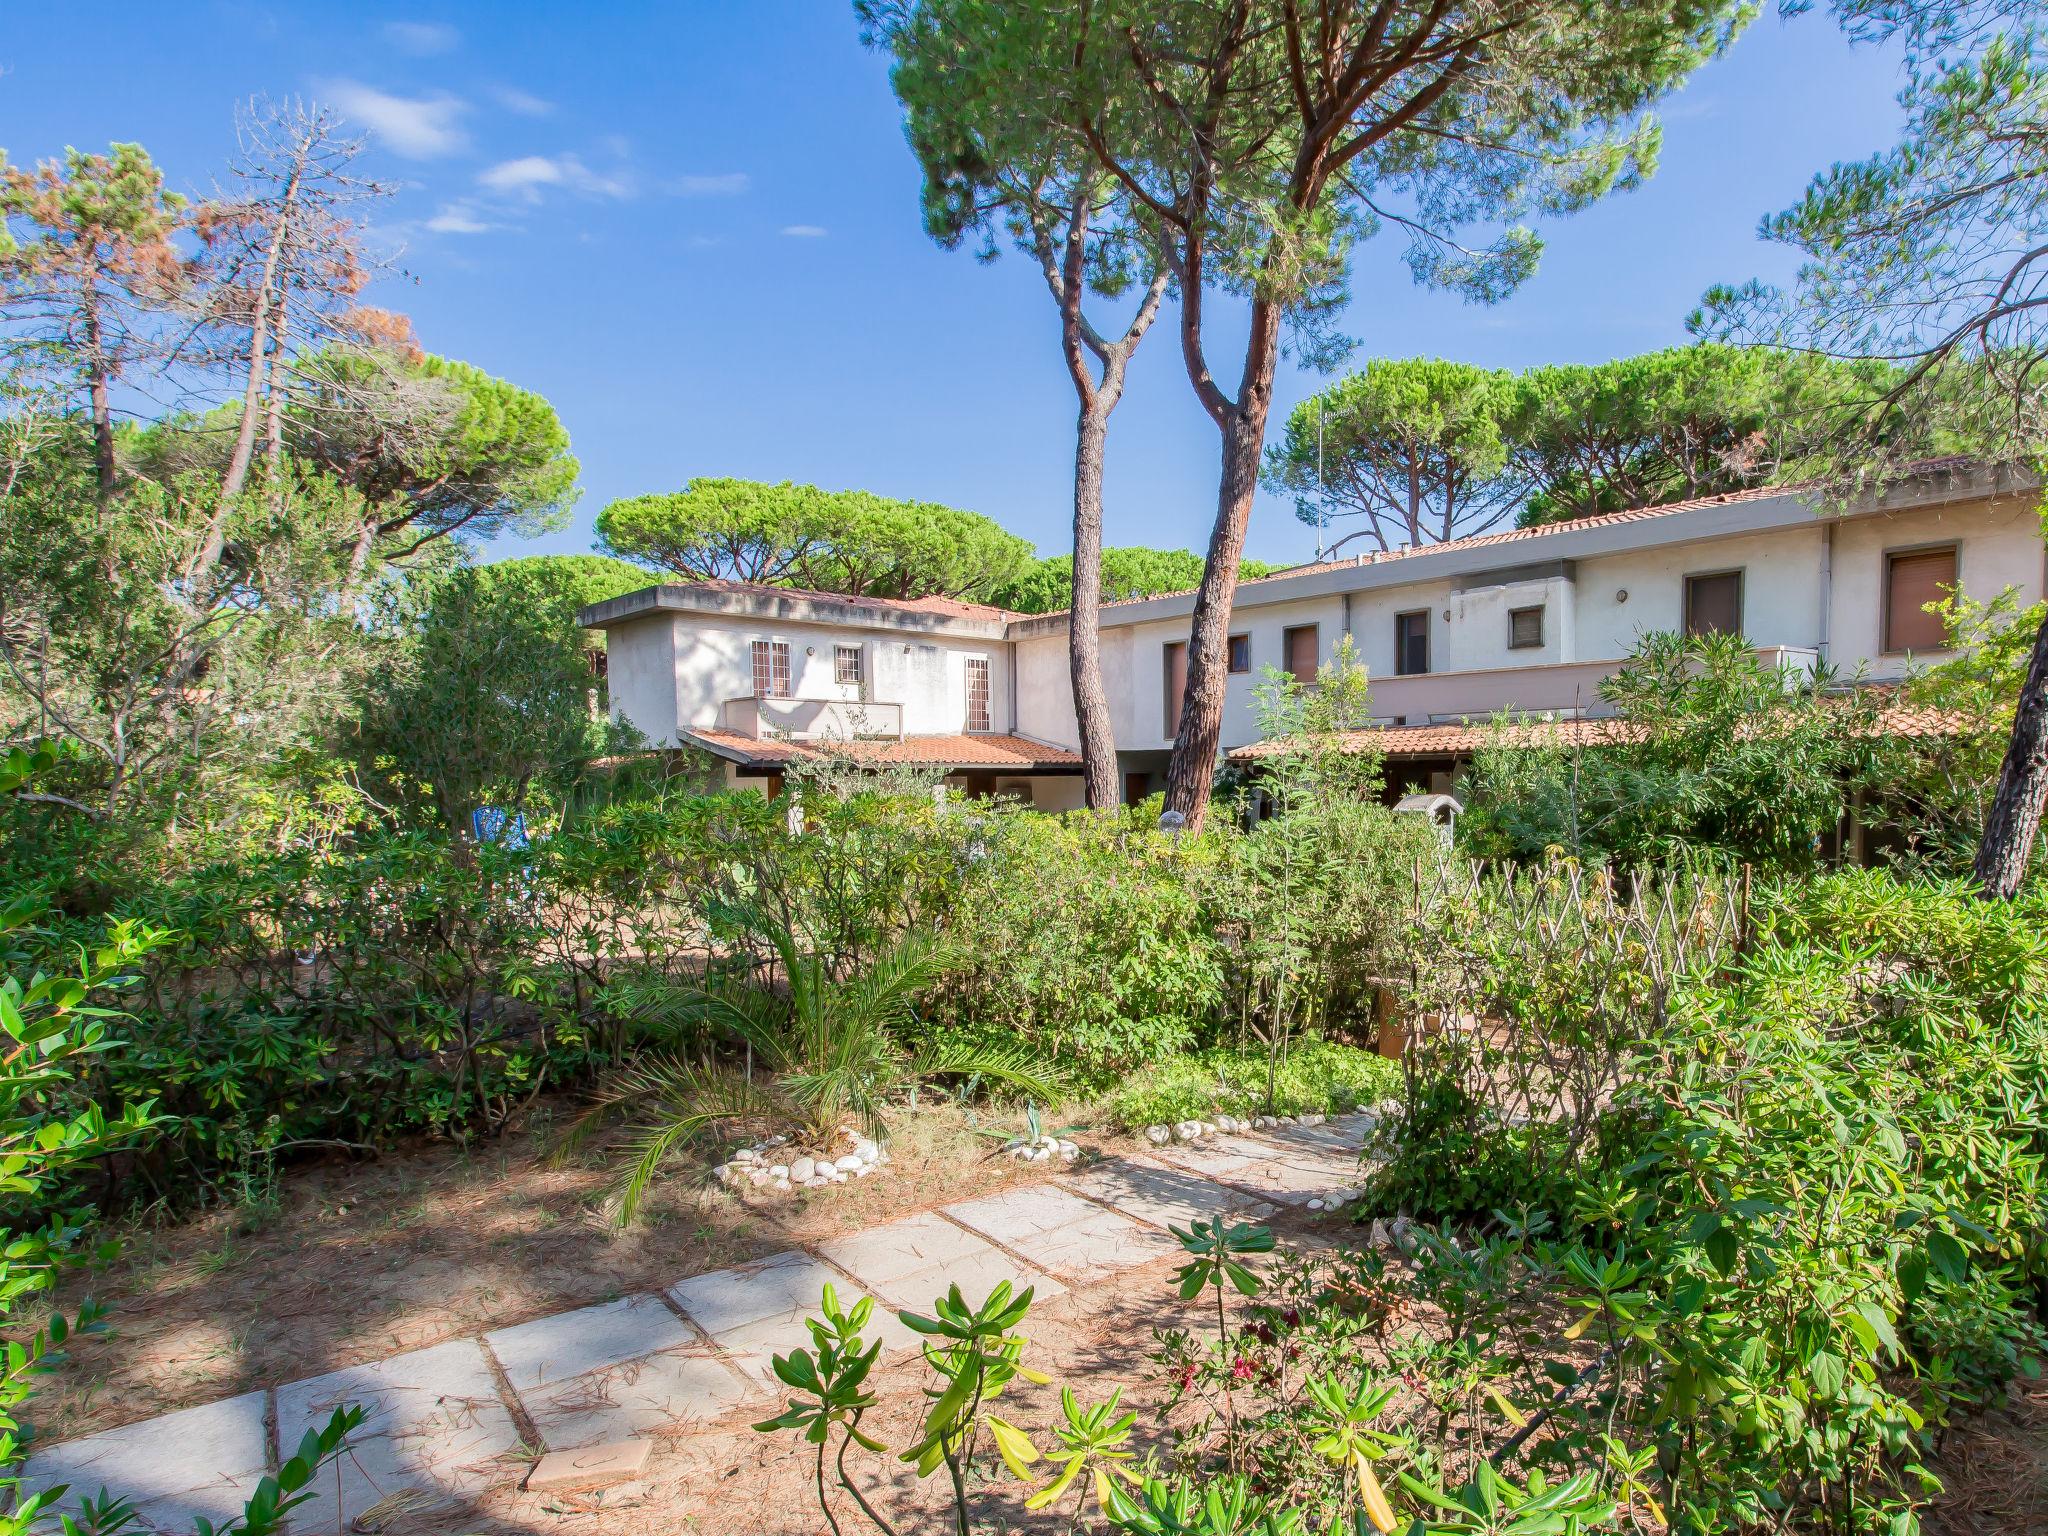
449	1419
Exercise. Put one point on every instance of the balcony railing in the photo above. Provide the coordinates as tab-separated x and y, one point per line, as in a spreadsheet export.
814	719
1559	688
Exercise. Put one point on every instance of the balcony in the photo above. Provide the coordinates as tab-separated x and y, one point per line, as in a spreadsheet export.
813	719
1565	689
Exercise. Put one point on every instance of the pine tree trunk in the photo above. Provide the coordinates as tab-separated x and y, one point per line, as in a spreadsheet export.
1084	621
2014	823
1191	774
100	406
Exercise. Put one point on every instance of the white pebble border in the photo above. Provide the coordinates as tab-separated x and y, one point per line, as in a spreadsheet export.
773	1165
1224	1125
1042	1150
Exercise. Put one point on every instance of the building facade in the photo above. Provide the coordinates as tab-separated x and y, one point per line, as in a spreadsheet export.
1528	620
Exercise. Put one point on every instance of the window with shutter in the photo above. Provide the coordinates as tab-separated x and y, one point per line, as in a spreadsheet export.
1713	603
1914	578
1411	642
1176	685
1240	653
977	694
1525	628
1300	647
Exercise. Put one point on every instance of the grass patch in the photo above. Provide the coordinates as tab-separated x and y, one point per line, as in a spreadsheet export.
1318	1075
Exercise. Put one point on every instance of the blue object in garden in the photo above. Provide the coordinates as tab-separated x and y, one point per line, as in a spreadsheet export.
493	824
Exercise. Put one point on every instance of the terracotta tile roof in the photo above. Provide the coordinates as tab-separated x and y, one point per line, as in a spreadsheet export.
1002	752
941	607
1456	740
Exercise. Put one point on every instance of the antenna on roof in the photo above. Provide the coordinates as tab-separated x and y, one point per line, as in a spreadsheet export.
1322	486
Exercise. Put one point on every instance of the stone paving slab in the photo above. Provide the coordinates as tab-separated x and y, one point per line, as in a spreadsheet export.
909	1262
1058	1230
1291	1175
1341	1137
1164	1196
612	1372
756	1311
432	1419
197	1461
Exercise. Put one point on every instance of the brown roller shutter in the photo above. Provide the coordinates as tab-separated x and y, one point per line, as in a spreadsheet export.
1913	580
1299	646
1176	683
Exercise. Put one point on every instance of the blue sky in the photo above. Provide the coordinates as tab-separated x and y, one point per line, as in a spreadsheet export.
693	227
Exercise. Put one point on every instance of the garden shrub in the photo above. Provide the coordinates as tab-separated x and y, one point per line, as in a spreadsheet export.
1811	1231
1319	1076
1088	941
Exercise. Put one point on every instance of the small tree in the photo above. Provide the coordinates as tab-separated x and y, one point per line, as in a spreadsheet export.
1682	422
1714	752
86	260
1412	450
850	542
437	449
1129	572
487	695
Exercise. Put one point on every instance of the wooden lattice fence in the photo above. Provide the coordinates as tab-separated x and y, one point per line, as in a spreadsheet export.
1533	989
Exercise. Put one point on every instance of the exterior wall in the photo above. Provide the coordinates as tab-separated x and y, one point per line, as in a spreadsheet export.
1999	547
710	661
1781	589
1045	694
640	671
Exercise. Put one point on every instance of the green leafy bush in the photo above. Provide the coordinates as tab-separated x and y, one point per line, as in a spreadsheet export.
1809	1233
1319	1076
1088	940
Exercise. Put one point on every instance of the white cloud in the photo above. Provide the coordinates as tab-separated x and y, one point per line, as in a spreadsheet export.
457	219
525	103
525	177
421	38
418	127
730	184
804	231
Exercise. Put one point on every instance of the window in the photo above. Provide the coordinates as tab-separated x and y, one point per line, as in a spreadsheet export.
1240	653
1713	603
977	694
1914	578
1298	652
846	665
771	669
1525	628
1175	670
1411	642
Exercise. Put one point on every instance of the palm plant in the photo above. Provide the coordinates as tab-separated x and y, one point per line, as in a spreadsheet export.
819	1051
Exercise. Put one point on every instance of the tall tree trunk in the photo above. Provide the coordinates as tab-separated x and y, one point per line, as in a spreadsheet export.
96	386
1191	774
2014	823
269	291
1078	339
1084	618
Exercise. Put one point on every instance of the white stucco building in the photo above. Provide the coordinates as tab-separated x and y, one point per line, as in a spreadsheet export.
1526	620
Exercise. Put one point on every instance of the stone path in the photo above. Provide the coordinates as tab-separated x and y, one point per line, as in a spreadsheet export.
454	1419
